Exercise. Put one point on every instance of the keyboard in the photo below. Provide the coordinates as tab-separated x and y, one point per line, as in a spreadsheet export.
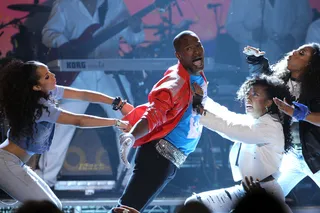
148	64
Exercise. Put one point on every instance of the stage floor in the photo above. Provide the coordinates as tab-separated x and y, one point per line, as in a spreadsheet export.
161	205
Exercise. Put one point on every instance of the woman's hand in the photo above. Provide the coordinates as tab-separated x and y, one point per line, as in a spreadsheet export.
125	209
197	90
197	93
251	186
124	126
284	106
248	50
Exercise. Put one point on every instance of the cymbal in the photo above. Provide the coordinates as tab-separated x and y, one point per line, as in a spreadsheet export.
32	8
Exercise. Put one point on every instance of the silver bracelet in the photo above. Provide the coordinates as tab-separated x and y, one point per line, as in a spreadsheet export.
118	123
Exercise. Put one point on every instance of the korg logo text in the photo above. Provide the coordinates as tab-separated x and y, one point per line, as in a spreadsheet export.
76	65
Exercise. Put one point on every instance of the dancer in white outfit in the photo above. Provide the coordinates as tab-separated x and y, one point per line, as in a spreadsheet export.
260	138
300	71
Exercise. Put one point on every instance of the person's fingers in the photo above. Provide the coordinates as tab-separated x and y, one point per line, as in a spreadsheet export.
193	90
252	48
245	187
279	103
258	183
276	101
251	179
121	210
129	127
247	181
123	156
252	183
133	210
197	87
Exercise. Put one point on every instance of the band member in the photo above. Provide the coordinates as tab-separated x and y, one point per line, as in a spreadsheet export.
275	26
68	20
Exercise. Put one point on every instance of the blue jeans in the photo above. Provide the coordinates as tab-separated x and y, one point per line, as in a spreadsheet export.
293	169
21	183
151	173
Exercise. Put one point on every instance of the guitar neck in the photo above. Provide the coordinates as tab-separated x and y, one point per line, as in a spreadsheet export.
109	32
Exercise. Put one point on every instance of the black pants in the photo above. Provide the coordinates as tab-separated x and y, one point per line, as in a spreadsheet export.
152	172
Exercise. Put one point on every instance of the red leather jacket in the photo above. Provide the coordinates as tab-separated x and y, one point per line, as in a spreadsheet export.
168	100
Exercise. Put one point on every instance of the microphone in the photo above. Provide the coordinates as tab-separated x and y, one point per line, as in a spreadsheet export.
210	6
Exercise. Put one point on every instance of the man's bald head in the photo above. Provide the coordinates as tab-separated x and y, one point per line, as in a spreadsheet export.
189	51
177	40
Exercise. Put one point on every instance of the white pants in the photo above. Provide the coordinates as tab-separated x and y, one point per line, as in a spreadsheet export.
51	162
21	183
293	169
224	200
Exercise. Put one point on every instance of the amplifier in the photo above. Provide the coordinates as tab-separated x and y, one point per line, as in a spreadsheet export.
92	158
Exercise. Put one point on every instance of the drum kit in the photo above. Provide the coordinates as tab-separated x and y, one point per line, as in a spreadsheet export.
23	42
26	43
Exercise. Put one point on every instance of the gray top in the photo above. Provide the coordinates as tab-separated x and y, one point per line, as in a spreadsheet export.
43	129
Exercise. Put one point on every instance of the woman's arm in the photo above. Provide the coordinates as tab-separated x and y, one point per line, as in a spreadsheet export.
259	64
89	121
314	118
300	112
237	127
93	97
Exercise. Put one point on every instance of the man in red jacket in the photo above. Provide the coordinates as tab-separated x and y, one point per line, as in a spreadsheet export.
166	129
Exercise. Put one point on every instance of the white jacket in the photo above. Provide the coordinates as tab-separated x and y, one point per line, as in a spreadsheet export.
262	140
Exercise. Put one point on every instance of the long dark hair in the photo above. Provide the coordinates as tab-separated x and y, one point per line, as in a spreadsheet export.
274	87
19	103
310	82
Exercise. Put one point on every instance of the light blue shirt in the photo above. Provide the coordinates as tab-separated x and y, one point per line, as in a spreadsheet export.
185	136
43	129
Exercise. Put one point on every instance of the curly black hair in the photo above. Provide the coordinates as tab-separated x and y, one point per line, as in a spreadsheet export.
19	103
310	82
274	87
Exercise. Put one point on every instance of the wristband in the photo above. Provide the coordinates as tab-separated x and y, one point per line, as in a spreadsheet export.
118	123
300	111
122	104
115	103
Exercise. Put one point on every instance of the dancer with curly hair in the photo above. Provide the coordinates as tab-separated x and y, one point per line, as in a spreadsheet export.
28	94
300	71
260	137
